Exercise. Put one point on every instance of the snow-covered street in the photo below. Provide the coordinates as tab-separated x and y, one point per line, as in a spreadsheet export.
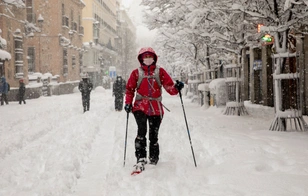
50	147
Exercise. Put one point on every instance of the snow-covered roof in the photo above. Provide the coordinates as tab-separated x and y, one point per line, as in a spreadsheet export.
4	55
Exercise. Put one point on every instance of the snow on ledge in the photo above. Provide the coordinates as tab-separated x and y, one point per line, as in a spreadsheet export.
234	104
289	114
203	87
231	66
214	84
233	79
4	55
286	76
284	55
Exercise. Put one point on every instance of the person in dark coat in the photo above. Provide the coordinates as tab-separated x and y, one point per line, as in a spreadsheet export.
118	93
21	91
4	89
85	87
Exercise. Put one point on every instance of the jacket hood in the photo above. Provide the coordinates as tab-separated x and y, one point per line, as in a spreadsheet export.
146	50
3	79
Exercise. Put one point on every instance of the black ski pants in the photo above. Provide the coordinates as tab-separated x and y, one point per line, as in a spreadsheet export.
21	99
85	101
141	140
4	99
118	102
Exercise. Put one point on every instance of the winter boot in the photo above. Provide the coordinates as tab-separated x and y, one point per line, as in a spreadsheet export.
154	161
140	147
154	153
139	166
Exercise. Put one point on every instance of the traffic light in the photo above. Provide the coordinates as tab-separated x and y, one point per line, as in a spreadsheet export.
259	27
267	38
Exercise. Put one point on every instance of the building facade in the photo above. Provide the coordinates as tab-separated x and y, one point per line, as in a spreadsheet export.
126	44
99	18
43	37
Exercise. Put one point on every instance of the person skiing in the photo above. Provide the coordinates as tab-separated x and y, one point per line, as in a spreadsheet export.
118	93
85	87
4	88
21	91
147	81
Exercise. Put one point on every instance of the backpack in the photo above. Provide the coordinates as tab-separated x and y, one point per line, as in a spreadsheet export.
142	76
8	87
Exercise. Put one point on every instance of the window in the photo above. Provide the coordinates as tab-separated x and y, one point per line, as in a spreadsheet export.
31	60
63	9
18	44
72	19
73	61
79	20
2	68
29	11
65	62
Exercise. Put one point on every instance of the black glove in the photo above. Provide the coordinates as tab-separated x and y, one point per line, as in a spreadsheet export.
179	85
128	108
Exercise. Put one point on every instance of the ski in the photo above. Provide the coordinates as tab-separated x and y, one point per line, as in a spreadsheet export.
138	168
135	172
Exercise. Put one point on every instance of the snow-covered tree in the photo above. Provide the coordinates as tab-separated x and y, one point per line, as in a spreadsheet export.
177	40
281	19
194	29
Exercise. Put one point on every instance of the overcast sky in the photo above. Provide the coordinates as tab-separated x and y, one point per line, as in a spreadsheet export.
144	35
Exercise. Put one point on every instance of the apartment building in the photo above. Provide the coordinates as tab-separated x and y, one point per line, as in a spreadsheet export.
109	40
43	37
12	18
126	43
99	19
57	47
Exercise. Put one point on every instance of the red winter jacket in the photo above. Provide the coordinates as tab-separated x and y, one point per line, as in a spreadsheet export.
148	88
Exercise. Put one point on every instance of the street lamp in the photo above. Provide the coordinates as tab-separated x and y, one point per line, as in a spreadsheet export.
40	20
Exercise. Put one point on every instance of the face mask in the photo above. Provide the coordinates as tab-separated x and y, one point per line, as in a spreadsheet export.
148	61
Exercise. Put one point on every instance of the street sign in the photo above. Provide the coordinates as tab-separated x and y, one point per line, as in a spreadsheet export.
112	72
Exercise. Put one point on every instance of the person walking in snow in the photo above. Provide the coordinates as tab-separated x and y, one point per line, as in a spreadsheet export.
85	87
147	81
4	89
21	91
118	93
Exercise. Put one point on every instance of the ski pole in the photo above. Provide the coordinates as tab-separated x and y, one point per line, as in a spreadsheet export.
125	139
192	150
165	107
